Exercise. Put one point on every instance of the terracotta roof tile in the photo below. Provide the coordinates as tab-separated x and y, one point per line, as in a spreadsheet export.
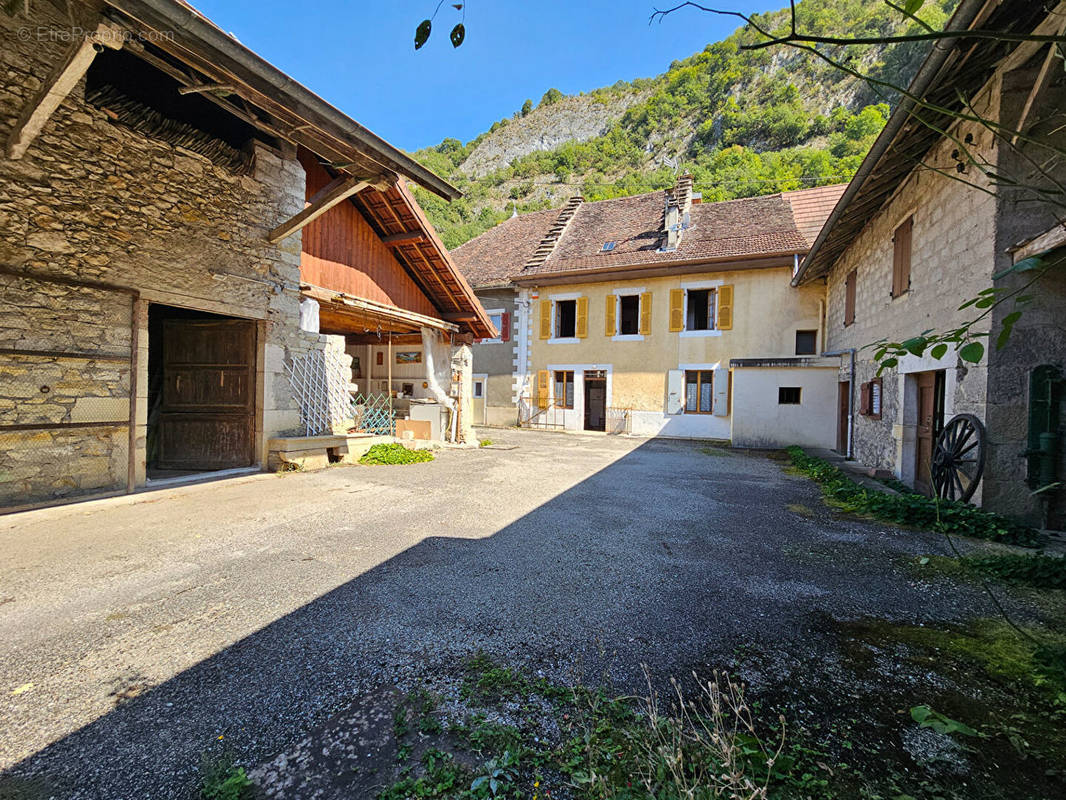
491	258
752	227
812	207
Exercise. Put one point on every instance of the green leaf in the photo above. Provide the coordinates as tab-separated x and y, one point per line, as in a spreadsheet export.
422	33
968	303
888	363
938	351
457	35
915	346
913	6
1007	329
1025	265
972	352
928	718
985	302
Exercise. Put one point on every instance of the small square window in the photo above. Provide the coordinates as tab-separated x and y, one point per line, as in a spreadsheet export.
788	395
806	343
566	318
629	314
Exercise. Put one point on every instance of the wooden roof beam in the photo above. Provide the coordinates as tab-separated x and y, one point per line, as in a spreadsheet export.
405	236
65	76
336	191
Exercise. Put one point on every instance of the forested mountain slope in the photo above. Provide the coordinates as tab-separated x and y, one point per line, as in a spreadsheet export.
743	122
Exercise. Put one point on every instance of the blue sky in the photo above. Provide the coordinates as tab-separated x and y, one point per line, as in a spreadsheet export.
360	56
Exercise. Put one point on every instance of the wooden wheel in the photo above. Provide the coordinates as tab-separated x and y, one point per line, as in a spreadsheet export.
959	458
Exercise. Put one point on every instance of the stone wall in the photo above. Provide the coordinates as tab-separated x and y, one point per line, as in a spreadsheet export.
953	257
1040	334
498	360
95	201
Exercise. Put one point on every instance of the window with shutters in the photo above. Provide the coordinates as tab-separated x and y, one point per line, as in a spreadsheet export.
699	391
700	307
629	314
901	257
502	320
806	343
565	319
870	394
564	388
849	297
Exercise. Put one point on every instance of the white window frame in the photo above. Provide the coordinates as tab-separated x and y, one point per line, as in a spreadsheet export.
554	299
697	286
490	312
618	295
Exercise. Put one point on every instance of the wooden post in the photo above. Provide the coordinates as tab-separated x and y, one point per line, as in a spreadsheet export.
137	322
57	86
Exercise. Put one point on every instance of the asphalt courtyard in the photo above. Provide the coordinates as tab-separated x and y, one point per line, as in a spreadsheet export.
136	632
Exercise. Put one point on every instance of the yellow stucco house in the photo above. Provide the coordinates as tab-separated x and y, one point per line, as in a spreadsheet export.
658	314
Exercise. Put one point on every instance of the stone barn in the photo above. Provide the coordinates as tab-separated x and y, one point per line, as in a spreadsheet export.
151	211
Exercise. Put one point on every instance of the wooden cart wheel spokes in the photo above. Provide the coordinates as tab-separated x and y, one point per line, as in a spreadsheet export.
959	458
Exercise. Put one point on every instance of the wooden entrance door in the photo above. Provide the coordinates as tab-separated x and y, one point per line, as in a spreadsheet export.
843	411
206	419
930	411
595	402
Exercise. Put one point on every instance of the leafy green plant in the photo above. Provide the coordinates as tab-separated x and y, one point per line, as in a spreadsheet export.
497	775
394	454
484	443
224	781
927	717
1039	570
911	509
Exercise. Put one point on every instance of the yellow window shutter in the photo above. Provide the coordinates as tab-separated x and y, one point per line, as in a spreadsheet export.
545	319
611	326
543	386
581	327
725	308
645	313
677	310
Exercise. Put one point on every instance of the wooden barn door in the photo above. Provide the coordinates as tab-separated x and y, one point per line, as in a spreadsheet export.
930	421
206	419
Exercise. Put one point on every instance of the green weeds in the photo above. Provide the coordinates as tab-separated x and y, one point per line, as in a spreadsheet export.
394	454
910	509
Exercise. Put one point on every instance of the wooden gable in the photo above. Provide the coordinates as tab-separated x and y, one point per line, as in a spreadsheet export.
343	253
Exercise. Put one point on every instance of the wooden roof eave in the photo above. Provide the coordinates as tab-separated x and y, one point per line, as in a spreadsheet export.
653	269
389	318
905	140
394	213
304	117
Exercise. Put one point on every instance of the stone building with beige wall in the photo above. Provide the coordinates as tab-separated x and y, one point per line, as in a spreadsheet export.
660	315
150	246
923	228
